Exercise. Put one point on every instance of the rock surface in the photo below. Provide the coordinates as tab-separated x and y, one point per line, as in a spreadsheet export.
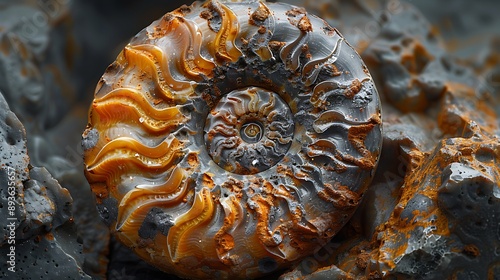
39	236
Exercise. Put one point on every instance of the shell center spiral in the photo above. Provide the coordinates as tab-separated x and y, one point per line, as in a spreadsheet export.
249	130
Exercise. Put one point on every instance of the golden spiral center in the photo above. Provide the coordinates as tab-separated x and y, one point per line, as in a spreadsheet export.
251	132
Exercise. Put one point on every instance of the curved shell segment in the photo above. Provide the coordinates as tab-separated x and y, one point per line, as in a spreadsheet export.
232	139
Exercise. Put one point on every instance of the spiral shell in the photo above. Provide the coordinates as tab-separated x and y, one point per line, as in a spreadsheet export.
232	139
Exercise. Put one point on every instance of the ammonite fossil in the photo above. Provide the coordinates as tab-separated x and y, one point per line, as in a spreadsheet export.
232	139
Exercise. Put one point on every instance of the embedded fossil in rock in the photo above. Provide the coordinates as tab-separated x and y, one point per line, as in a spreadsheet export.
232	139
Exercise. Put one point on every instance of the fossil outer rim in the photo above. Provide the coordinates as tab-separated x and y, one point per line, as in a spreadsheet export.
149	165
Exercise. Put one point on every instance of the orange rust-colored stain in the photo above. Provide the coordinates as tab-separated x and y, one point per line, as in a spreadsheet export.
207	180
362	260
234	187
296	11
24	71
430	172
471	250
262	212
340	196
192	159
357	135
353	89
5	45
225	241
455	120
276	45
305	51
260	14
49	236
304	24
415	58
332	68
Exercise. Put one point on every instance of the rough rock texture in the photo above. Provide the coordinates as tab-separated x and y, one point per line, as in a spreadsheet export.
39	236
14	167
37	53
447	217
